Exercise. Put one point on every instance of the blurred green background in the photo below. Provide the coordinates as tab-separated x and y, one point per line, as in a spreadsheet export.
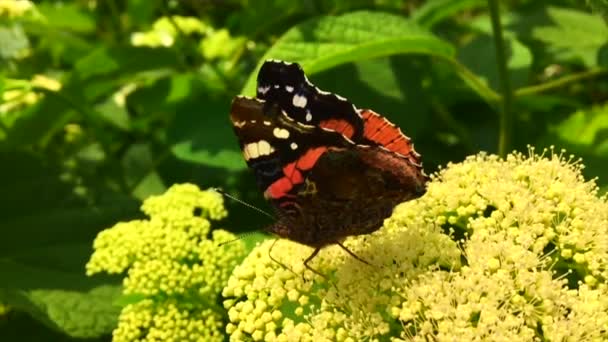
103	103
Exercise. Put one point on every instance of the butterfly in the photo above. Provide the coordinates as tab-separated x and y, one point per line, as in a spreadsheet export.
329	169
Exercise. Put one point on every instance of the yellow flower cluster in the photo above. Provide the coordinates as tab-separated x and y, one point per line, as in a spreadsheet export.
22	93
15	8
214	44
165	30
174	263
513	249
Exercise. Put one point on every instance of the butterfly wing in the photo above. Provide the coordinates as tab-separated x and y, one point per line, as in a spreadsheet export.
281	152
329	169
286	85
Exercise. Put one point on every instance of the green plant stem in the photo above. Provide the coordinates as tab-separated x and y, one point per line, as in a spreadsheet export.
506	117
560	82
473	81
181	37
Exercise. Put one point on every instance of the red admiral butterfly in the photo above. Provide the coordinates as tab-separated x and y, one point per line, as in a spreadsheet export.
329	169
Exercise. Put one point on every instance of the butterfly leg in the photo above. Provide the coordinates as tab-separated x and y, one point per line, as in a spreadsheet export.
352	253
314	253
277	261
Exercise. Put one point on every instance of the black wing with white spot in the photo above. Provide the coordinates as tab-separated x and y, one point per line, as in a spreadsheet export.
278	149
286	85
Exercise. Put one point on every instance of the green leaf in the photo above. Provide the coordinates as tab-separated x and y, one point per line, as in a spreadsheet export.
141	12
67	16
201	132
479	55
586	128
123	59
583	133
433	12
574	35
13	42
393	86
46	238
96	75
601	7
269	15
320	44
82	314
139	166
38	123
114	113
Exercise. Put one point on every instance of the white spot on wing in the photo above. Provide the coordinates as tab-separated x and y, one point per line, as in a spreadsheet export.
267	123
293	146
257	149
264	148
252	150
299	101
280	133
239	124
308	116
263	90
289	89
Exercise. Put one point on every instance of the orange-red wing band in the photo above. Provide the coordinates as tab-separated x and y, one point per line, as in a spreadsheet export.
293	173
340	126
384	133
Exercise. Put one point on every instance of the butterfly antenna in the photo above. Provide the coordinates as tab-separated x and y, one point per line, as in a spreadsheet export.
240	236
223	193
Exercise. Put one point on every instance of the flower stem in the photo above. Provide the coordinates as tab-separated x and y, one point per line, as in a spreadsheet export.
560	82
506	117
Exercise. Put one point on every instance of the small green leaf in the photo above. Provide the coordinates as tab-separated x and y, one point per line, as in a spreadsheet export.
320	44
574	35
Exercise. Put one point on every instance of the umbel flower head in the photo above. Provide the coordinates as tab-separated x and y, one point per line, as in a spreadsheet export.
174	267
513	249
